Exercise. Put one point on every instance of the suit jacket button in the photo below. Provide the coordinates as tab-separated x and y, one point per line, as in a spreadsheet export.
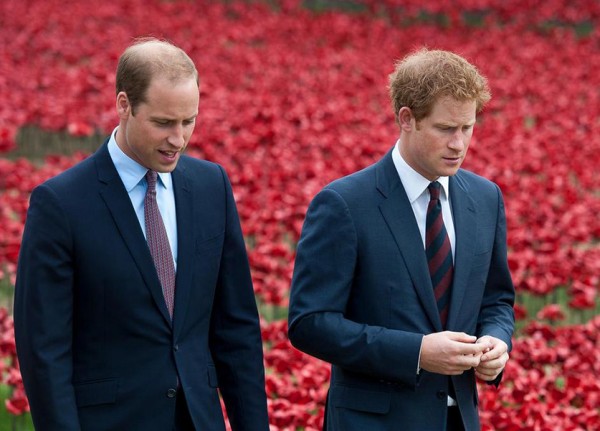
441	394
171	393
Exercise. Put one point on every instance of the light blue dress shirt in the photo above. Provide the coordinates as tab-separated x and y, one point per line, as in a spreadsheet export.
133	176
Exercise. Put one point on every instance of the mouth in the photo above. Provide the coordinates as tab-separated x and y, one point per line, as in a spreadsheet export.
168	154
452	161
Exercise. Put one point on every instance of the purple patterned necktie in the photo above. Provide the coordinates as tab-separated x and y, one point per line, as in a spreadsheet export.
439	252
158	242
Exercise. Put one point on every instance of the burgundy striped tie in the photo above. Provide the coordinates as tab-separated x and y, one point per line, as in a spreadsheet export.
158	242
439	252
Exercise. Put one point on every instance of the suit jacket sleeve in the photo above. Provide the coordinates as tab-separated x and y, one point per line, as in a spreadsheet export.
322	283
235	339
496	317
43	314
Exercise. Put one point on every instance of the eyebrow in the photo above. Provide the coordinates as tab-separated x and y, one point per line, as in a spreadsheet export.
454	126
157	118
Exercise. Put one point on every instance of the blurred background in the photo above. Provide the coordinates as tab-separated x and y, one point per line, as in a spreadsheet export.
294	95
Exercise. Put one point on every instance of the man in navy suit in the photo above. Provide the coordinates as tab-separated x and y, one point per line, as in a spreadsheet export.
105	340
406	321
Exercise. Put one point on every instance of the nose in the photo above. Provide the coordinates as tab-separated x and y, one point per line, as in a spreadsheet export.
176	137
457	142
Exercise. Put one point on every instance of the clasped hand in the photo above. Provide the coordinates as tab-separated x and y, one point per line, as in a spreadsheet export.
452	353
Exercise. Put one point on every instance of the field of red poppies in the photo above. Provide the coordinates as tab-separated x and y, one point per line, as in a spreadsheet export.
293	95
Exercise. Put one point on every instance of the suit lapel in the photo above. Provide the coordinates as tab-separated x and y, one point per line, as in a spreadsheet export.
117	200
185	251
399	216
465	227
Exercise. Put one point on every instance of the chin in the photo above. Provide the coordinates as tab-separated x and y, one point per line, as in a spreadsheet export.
452	171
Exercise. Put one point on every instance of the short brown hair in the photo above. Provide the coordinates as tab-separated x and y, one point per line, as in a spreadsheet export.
424	76
146	58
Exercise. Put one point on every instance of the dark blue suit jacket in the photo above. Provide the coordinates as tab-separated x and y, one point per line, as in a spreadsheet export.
96	345
362	297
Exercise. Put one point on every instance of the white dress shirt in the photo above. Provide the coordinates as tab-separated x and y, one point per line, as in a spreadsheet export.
415	186
133	176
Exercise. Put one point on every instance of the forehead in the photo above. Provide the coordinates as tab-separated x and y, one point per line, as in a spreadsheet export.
449	109
180	96
161	85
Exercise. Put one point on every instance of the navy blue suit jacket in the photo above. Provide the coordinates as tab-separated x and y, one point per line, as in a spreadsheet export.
96	345
362	297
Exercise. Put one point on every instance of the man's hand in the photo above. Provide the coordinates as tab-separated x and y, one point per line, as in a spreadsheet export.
493	360
452	353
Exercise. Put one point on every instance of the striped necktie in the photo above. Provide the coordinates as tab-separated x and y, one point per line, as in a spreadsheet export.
439	252
158	242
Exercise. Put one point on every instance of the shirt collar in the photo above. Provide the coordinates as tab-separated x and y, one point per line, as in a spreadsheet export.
130	171
414	183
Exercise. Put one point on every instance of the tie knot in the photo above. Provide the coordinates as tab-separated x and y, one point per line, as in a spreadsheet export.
151	179
434	190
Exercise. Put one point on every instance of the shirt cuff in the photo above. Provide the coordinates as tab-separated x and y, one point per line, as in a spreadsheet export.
419	361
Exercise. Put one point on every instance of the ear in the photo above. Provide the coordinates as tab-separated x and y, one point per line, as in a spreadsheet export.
123	105
406	120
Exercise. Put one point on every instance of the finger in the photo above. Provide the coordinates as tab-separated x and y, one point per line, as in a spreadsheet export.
466	362
496	352
461	337
496	363
489	367
493	362
485	377
487	341
492	368
471	349
490	373
491	356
